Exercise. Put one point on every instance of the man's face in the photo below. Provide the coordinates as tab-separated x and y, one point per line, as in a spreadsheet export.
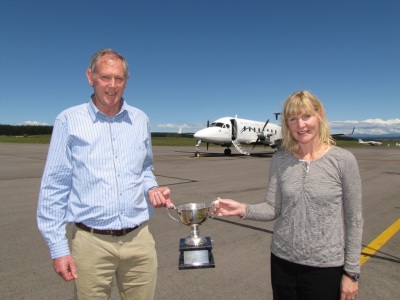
109	83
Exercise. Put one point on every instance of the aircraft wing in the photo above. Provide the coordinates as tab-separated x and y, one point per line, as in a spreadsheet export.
341	134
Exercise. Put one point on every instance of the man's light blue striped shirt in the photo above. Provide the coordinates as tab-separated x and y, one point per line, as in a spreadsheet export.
98	172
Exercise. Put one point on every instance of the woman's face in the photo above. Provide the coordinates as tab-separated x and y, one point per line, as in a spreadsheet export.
304	127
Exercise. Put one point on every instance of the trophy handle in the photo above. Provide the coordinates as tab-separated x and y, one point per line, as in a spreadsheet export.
212	216
168	208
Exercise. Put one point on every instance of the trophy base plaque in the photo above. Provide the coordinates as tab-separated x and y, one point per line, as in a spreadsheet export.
196	257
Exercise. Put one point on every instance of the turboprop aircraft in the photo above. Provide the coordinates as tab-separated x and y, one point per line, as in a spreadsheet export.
371	143
228	131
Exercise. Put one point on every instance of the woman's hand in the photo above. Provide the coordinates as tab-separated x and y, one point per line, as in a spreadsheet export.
229	207
348	288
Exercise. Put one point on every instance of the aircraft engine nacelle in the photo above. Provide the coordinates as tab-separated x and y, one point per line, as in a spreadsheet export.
264	137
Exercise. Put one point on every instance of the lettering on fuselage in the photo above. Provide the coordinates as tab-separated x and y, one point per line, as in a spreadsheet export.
248	128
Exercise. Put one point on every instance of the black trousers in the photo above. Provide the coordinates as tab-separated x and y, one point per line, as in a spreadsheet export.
291	281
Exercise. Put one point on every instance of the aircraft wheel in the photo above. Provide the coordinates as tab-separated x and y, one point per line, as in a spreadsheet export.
227	151
197	154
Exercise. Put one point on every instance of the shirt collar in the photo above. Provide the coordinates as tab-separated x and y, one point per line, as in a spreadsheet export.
95	113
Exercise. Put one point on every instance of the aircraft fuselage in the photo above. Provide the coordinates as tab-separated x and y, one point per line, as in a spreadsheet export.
225	131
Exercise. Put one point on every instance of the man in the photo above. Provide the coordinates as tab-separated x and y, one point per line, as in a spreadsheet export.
98	175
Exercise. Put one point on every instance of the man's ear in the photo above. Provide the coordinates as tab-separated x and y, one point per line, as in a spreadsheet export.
89	77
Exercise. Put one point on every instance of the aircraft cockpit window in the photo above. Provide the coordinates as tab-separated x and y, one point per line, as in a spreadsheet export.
217	125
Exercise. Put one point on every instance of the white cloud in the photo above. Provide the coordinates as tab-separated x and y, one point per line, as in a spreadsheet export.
369	126
184	126
167	125
34	123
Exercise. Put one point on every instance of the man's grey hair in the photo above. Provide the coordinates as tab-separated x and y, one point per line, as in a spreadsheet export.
106	51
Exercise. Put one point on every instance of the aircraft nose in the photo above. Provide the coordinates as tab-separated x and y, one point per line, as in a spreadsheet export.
201	134
197	135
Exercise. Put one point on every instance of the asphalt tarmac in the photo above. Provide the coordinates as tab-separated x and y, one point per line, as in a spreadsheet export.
240	248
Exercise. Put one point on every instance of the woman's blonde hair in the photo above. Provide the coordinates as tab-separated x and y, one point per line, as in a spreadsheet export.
304	102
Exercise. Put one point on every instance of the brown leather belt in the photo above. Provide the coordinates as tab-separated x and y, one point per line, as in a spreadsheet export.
118	232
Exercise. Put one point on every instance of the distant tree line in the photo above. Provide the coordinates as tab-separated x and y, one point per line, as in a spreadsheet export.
28	130
24	130
168	134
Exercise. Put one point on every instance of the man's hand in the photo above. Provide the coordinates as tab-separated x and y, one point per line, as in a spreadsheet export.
65	267
159	196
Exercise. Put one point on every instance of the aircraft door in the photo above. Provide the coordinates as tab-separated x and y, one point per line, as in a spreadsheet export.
234	129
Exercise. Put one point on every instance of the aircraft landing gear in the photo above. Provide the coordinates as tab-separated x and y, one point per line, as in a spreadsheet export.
227	151
197	153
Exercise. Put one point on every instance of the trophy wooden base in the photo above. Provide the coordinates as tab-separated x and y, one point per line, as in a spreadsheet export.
196	257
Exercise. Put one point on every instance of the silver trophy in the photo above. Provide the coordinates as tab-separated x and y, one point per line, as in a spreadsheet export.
195	250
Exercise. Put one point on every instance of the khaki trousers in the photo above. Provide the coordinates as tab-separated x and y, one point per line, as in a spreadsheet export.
131	258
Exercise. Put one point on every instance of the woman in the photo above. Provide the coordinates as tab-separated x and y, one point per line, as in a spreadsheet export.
314	194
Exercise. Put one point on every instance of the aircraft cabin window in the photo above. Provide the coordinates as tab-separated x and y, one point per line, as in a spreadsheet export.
227	126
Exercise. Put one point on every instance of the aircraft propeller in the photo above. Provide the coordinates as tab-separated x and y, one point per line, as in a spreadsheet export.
208	125
262	132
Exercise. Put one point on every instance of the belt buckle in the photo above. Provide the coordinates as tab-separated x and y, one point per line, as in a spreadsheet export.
118	233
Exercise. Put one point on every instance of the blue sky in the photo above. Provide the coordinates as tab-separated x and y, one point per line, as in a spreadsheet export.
193	60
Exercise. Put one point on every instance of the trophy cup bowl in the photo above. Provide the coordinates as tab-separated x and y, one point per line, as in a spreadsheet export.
193	215
195	250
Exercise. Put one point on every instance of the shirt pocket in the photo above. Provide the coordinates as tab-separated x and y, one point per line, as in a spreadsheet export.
135	159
